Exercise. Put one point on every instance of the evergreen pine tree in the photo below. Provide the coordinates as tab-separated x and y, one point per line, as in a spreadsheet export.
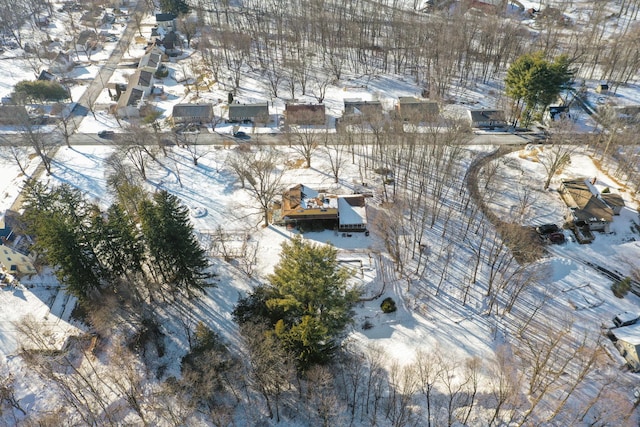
57	218
172	243
308	302
117	242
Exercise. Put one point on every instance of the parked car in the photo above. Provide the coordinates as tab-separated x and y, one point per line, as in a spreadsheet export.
550	233
241	135
106	134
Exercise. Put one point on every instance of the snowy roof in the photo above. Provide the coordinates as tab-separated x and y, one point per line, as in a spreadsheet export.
486	115
351	210
358	106
629	334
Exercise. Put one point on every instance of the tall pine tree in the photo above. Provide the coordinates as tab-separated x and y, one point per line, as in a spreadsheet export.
308	303
57	218
171	242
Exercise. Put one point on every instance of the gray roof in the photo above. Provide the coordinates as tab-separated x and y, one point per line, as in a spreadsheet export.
411	105
487	115
144	79
245	111
358	106
134	97
165	17
204	111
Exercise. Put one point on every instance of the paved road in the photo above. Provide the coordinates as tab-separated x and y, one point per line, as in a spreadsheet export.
106	71
268	139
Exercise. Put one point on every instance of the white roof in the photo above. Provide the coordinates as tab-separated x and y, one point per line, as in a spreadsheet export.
629	334
627	316
348	214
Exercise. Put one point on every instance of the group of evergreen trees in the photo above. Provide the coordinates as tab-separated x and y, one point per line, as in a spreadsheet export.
90	249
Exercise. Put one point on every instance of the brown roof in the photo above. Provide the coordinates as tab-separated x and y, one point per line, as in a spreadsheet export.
305	114
587	205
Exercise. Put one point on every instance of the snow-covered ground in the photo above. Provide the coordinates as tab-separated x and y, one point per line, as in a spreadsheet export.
211	191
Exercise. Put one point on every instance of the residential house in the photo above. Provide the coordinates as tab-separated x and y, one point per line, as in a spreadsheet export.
151	61
14	261
166	21
87	42
417	110
614	201
6	228
171	43
557	112
487	119
141	80
352	213
13	115
585	204
359	110
254	113
129	103
305	114
488	6
61	64
628	343
303	205
47	76
192	113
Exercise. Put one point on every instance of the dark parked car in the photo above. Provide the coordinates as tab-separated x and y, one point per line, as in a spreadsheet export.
241	135
547	229
106	134
550	233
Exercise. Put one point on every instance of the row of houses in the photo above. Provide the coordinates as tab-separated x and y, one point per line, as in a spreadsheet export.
409	109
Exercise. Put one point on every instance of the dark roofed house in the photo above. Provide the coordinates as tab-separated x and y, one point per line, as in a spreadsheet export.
152	60
130	102
255	113
166	21
487	119
305	114
360	107
46	76
192	113
583	200
417	110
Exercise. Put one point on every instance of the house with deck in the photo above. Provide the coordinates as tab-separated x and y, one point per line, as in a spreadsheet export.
585	204
317	209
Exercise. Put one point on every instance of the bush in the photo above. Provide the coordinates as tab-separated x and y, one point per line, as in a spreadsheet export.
621	289
388	305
